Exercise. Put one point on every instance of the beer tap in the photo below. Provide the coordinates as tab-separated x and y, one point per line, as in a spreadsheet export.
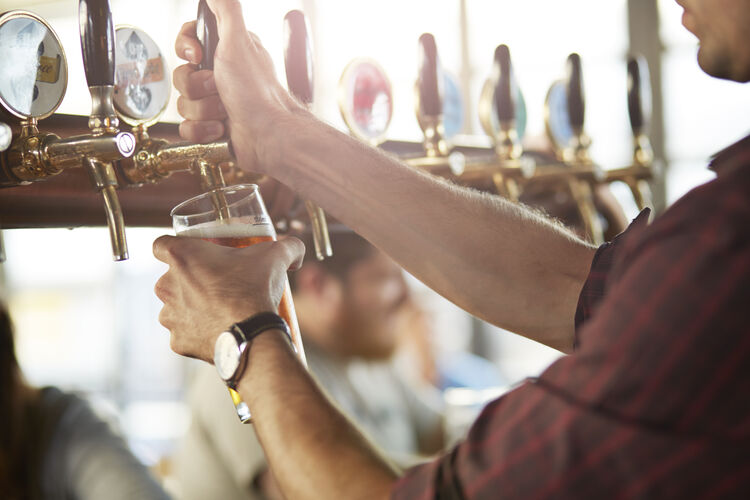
299	76
639	110
565	109
34	79
142	89
429	98
98	47
499	102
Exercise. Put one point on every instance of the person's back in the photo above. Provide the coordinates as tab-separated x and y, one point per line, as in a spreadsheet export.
54	446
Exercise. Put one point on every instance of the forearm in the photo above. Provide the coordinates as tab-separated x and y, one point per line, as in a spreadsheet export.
498	260
313	449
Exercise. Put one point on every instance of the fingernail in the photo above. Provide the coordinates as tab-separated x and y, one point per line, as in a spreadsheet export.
190	55
210	84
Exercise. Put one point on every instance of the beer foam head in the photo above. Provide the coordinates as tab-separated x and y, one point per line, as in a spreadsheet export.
240	227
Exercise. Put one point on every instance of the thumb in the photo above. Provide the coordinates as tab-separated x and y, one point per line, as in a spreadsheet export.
293	252
229	19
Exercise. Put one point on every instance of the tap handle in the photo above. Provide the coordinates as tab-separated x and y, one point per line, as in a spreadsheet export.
208	34
639	94
97	42
504	100
429	84
298	58
576	93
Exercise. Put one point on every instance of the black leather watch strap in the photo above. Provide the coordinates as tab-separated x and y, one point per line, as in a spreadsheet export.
246	330
255	325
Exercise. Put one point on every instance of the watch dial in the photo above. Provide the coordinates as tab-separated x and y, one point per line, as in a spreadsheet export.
226	355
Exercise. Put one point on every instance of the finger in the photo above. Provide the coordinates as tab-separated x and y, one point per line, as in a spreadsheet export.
291	252
187	45
192	83
229	18
165	248
206	109
201	131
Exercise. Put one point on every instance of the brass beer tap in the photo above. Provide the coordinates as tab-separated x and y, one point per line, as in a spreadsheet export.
299	76
35	155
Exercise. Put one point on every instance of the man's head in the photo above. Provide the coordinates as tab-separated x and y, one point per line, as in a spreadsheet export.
723	30
350	304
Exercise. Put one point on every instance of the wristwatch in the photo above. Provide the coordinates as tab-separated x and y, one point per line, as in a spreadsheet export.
230	356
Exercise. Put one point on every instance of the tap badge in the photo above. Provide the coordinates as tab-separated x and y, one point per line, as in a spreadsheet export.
366	100
141	85
33	72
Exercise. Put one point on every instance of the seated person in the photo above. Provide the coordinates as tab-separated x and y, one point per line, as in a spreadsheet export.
53	445
349	309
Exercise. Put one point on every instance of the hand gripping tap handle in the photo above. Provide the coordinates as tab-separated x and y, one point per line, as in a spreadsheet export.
300	78
98	48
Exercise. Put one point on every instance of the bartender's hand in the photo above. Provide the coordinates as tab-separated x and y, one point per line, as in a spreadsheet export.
255	104
208	287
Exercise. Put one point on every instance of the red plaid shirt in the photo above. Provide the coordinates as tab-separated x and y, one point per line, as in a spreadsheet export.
655	402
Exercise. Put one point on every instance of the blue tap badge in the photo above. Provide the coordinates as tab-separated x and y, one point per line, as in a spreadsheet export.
453	106
557	119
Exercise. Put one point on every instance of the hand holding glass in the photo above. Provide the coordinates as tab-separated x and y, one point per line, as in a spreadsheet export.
235	216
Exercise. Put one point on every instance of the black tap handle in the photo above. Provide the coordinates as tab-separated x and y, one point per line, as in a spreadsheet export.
298	58
208	34
575	92
430	86
97	42
504	99
639	98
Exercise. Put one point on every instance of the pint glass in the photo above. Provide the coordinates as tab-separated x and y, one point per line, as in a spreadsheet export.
235	216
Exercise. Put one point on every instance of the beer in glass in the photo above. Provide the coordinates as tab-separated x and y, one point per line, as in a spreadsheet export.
235	216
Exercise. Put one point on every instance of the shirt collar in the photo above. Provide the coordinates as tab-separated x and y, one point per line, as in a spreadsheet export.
731	157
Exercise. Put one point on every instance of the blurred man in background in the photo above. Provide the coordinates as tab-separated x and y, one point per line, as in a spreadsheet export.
351	310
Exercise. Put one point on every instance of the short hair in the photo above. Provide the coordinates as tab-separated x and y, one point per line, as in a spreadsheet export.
348	249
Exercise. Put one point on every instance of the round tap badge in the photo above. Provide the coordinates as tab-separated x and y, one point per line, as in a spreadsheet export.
557	119
33	67
366	100
6	137
142	83
453	106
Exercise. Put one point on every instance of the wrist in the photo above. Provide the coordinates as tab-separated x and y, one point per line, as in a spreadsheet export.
280	140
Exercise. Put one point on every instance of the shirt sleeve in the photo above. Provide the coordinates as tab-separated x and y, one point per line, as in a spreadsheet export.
97	461
595	288
653	399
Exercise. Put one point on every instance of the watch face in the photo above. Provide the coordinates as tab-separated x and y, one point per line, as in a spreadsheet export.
226	355
33	68
142	83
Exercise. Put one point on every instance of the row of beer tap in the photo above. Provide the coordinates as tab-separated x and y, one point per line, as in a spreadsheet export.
129	81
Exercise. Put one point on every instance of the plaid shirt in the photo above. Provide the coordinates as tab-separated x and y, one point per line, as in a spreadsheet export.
655	401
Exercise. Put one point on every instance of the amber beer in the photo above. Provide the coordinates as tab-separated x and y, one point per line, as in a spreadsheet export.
244	222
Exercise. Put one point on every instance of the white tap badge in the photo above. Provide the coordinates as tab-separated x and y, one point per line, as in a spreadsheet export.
33	68
142	83
366	99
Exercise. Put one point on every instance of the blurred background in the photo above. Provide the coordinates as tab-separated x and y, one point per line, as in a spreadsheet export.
88	324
